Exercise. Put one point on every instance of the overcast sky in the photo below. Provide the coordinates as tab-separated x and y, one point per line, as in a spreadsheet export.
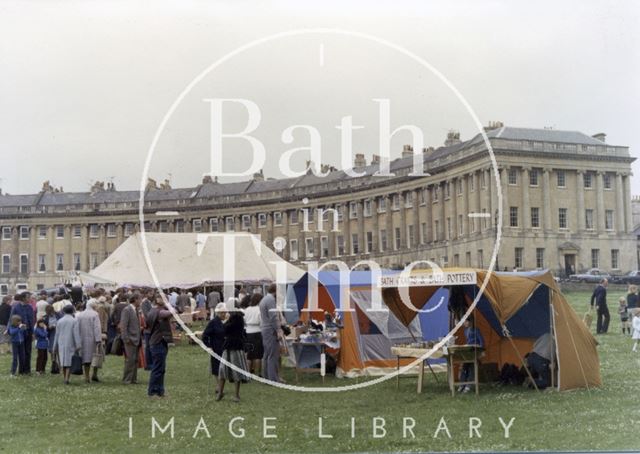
84	85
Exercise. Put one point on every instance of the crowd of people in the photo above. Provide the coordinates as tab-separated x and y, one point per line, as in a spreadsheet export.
73	332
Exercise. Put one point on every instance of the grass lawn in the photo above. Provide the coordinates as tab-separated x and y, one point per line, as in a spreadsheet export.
41	414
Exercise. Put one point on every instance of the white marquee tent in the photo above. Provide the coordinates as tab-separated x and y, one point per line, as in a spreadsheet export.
191	259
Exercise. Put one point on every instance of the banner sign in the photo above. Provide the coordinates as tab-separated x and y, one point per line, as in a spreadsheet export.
445	278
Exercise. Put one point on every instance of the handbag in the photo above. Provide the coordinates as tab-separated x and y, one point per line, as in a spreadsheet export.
117	348
588	318
98	357
55	365
76	364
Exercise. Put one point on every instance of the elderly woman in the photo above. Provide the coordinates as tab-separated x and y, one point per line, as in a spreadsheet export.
90	338
233	355
67	341
213	337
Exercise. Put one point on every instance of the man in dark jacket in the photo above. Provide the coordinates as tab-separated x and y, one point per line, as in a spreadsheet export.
599	298
145	308
131	339
183	301
160	336
25	311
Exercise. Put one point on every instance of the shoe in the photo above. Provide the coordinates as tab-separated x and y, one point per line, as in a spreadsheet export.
95	379
236	399
219	396
466	389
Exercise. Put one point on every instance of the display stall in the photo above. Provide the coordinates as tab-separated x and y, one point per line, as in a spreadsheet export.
513	312
367	334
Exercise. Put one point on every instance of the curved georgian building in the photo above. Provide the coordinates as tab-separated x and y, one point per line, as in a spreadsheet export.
566	206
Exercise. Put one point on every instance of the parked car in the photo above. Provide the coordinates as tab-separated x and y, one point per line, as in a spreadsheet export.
594	275
632	277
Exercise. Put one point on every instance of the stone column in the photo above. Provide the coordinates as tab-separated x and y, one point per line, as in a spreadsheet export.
628	213
285	224
84	254
443	213
403	221
362	240
478	208
333	242
546	199
389	225
375	222
120	231
580	200
620	206
428	216
466	194
347	228
600	202
453	208
416	218
435	212
526	208
52	252
504	182
68	259
492	191
254	223
103	242
33	260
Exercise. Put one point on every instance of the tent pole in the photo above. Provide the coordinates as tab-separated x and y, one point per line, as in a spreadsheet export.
506	332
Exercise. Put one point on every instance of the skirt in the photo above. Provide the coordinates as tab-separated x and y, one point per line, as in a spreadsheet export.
255	351
238	359
4	338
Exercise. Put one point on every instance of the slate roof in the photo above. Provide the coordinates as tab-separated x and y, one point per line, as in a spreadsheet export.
213	190
543	135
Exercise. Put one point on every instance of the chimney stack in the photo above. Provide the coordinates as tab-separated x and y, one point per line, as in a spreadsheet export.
453	138
359	161
493	125
375	159
601	136
258	176
151	184
407	150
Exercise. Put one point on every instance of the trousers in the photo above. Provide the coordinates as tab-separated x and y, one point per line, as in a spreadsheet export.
271	357
158	368
17	363
41	360
130	374
602	323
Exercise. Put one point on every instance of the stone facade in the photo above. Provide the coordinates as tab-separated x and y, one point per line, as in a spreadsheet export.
566	206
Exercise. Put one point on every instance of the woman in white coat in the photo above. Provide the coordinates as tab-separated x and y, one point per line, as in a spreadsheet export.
67	341
90	338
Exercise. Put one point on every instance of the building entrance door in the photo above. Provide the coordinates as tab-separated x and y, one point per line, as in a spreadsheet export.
570	264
